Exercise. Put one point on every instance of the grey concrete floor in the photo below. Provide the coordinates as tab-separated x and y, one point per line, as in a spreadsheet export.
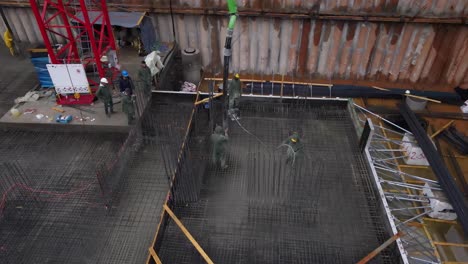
17	76
42	112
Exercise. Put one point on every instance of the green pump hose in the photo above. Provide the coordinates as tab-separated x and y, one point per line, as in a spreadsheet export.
232	7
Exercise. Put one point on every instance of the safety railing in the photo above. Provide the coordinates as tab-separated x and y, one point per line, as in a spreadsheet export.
283	88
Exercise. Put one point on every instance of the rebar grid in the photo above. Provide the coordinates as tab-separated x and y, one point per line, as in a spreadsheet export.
57	213
323	209
47	181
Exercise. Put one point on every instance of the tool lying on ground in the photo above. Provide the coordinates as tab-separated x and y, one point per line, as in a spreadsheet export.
63	119
81	109
58	110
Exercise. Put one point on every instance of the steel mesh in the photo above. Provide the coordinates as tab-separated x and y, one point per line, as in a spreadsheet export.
261	210
75	226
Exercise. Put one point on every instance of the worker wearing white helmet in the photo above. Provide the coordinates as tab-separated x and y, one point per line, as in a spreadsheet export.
105	95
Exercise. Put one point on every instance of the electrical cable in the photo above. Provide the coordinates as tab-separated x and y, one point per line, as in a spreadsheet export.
36	191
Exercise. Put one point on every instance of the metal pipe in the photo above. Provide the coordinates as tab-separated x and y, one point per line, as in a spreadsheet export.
406	174
409	185
410	208
415	217
227	57
376	115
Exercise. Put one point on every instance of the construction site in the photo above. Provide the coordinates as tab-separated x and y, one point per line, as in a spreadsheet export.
231	131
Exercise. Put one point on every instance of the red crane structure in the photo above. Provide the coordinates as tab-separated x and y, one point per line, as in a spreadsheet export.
86	32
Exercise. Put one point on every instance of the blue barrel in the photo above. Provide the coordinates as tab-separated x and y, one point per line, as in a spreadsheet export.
42	72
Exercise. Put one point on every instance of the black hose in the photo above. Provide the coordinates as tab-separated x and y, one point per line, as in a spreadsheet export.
172	18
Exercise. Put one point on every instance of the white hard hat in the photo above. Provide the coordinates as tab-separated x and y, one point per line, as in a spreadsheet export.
104	80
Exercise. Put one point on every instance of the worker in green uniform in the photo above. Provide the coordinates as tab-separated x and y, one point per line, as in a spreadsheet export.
144	74
219	141
235	92
294	148
105	95
128	106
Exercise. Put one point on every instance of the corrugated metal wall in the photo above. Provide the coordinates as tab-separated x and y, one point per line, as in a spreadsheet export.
401	7
324	49
24	26
393	52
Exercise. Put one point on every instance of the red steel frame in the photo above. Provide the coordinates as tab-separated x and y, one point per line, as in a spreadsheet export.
53	16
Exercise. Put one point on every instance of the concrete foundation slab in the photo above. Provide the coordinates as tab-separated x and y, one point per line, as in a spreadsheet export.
42	112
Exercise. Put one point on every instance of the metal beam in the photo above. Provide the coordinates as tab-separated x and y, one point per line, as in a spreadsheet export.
446	181
443	115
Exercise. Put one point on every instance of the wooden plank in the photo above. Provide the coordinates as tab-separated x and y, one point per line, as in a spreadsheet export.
414	166
272	81
154	255
208	99
242	80
442	129
380	88
58	110
303	83
163	212
428	235
188	235
376	251
440	221
447	244
282	84
423	98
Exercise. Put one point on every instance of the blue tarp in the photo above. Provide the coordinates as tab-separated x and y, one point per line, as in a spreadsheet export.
123	19
129	20
148	35
42	72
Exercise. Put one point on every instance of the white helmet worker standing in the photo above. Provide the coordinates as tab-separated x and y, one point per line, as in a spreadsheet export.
105	95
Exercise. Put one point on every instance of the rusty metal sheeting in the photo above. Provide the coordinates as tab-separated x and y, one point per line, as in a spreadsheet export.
313	49
310	49
440	8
